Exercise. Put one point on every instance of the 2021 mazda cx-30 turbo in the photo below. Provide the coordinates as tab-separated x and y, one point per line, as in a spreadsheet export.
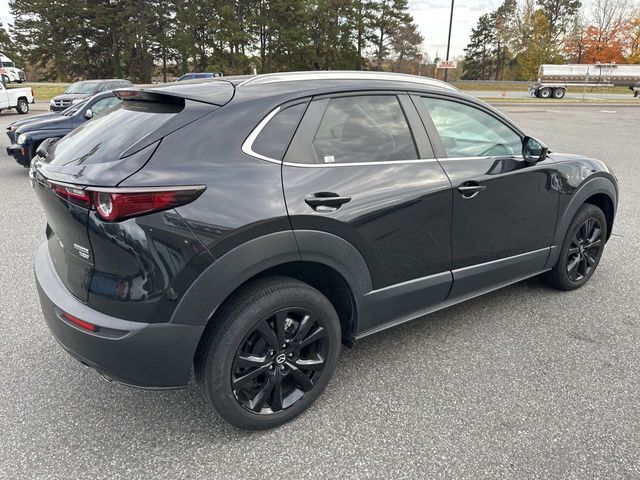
245	228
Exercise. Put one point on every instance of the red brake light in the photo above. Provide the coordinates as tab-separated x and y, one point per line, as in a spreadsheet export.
127	93
80	323
113	206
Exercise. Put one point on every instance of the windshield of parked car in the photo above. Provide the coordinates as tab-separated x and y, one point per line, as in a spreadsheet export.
73	109
8	64
82	87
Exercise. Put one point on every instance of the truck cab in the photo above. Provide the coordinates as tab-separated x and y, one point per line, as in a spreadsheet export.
9	72
18	98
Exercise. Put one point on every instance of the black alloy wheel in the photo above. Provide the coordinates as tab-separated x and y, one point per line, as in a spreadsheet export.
584	250
270	352
581	250
279	360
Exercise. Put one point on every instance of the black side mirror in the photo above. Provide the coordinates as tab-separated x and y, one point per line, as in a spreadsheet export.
534	150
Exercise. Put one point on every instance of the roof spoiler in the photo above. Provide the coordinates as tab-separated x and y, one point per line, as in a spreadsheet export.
144	95
214	92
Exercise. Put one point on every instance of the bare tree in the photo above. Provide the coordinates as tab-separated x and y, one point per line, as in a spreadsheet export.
610	17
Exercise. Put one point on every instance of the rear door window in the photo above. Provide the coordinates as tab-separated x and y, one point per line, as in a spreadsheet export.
367	128
274	138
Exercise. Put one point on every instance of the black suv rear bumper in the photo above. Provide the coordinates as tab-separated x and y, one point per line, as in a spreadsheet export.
146	355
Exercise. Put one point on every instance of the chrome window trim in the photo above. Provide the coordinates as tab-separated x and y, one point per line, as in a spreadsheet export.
359	164
247	146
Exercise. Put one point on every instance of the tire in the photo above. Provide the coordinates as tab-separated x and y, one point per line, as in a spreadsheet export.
32	152
246	348
22	107
545	93
5	80
581	250
558	93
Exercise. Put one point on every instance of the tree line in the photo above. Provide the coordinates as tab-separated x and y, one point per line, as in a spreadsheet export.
141	39
511	42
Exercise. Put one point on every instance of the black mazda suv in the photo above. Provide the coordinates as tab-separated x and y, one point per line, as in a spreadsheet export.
245	228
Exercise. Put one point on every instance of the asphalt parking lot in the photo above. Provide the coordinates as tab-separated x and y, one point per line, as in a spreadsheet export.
525	382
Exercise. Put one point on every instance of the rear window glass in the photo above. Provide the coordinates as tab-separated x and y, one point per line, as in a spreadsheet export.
104	138
274	138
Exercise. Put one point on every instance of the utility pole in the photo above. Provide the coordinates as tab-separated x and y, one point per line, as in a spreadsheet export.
449	39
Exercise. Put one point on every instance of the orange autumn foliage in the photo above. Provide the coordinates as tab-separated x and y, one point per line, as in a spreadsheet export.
619	45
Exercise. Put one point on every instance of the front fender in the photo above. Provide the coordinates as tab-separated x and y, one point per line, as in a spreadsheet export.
592	186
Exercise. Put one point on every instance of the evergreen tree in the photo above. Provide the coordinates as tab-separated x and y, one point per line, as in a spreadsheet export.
480	58
138	39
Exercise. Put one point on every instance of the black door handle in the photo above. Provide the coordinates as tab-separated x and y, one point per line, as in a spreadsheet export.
326	201
471	189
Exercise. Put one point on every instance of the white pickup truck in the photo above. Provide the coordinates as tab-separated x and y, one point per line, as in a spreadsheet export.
18	98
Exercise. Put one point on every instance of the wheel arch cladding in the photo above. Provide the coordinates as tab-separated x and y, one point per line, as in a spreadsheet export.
599	191
604	203
336	269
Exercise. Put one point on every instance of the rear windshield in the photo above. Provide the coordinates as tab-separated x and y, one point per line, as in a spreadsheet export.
104	138
81	87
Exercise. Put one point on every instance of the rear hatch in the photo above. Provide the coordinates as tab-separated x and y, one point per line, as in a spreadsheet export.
102	153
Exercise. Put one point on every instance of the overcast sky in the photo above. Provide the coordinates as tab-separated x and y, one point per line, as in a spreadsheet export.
432	17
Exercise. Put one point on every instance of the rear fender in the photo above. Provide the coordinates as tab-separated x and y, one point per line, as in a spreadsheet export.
251	258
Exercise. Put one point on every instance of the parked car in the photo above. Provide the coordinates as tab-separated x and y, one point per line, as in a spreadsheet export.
199	75
28	136
18	98
9	72
78	91
244	229
13	126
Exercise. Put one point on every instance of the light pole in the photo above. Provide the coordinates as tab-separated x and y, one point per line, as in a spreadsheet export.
446	71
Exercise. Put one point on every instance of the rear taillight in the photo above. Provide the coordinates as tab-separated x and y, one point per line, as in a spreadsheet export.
72	194
112	205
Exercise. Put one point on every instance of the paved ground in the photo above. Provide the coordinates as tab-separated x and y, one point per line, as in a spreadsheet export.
522	383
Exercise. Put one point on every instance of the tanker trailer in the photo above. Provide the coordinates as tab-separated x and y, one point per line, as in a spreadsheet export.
553	80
